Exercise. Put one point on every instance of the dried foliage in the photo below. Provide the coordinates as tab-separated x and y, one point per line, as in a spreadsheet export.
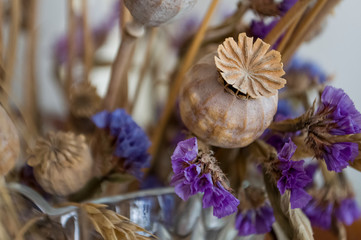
113	226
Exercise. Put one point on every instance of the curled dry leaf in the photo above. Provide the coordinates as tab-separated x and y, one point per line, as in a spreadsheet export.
293	222
112	226
62	162
249	67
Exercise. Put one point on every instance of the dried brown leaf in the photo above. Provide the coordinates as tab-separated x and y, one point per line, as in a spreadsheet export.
112	226
293	222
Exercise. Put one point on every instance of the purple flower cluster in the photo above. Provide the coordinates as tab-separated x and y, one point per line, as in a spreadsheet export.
131	142
336	115
293	176
191	176
255	221
321	213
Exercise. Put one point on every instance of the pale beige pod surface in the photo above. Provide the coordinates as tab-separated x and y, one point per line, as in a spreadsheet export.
9	143
155	12
218	117
62	163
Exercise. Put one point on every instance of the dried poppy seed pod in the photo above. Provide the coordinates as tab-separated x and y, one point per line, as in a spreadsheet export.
84	100
62	163
10	144
156	12
232	108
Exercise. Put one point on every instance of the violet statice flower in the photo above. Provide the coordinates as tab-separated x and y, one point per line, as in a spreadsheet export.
348	211
314	72
286	5
194	173
255	221
319	213
336	115
293	176
131	142
260	29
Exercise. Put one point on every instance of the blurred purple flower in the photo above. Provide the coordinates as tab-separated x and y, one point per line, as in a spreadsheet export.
260	29
255	221
191	176
99	33
348	211
131	142
293	176
336	115
314	72
320	214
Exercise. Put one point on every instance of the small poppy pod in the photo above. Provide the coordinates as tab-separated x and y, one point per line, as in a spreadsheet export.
231	102
62	163
153	13
10	144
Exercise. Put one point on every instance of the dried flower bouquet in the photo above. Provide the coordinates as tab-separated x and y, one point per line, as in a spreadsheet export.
233	128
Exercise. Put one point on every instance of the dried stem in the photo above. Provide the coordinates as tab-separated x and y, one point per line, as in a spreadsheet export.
288	34
291	16
1	32
158	134
31	112
143	71
301	31
12	43
21	233
118	84
71	46
88	42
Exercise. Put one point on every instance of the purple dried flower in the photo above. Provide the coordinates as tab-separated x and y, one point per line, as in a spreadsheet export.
293	176
286	5
131	142
196	174
255	221
260	29
313	71
348	211
320	214
336	115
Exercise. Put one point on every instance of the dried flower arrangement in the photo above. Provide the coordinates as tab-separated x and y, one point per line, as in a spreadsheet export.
245	139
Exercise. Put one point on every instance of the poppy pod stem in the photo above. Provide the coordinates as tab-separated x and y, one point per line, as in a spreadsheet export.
118	85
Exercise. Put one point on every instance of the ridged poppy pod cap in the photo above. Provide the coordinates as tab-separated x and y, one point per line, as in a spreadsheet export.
230	104
156	12
10	144
62	163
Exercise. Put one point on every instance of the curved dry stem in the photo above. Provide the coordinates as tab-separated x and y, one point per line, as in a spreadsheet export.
71	47
286	21
301	31
12	43
188	60
88	42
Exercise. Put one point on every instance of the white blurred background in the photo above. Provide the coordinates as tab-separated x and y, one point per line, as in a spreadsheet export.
337	50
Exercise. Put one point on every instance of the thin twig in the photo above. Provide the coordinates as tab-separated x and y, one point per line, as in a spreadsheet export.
1	31
12	43
301	31
21	233
143	71
31	112
71	47
158	134
288	34
88	42
286	21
